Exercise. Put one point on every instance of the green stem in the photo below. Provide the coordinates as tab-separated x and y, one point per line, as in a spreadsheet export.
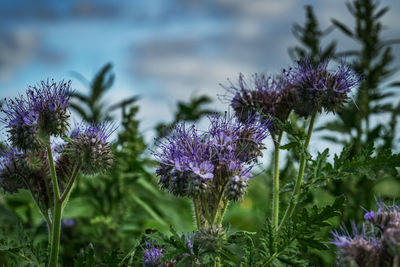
214	217
217	262
54	181
57	212
70	183
276	254
303	161
197	214
221	216
55	242
275	195
205	207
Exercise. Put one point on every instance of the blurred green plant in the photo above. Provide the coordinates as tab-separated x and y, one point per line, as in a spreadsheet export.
191	111
310	37
91	107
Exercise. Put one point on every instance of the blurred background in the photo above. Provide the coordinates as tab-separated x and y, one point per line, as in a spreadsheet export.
164	51
150	64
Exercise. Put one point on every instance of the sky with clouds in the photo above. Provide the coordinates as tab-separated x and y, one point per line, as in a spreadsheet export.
162	50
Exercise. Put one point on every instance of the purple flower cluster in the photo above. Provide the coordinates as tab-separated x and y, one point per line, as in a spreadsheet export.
152	255
193	162
319	88
306	88
32	118
272	96
370	248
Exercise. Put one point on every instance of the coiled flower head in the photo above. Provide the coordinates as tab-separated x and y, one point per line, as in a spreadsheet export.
10	171
272	96
89	144
26	170
319	88
32	118
151	255
237	186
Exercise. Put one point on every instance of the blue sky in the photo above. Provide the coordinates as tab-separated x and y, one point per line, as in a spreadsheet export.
163	50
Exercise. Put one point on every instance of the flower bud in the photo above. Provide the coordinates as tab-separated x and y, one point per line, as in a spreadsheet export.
91	147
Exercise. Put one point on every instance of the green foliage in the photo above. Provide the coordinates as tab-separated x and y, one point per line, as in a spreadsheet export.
374	60
191	111
310	36
17	248
266	248
91	107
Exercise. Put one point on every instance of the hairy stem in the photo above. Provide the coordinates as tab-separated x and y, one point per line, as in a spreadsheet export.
303	161
221	216
70	183
197	214
57	213
275	195
205	208
214	217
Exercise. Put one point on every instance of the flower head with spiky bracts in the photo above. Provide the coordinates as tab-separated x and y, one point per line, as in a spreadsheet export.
89	144
10	176
319	88
151	255
361	249
370	248
385	217
26	170
194	162
272	96
32	118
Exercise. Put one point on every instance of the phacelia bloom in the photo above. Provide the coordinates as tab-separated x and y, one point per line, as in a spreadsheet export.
32	118
193	162
271	96
152	255
385	217
362	250
378	247
89	144
26	170
319	88
10	176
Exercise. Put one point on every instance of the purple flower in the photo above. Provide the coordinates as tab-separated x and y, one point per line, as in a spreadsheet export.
69	223
32	118
369	215
319	88
362	249
272	96
151	255
91	146
192	162
385	217
205	170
